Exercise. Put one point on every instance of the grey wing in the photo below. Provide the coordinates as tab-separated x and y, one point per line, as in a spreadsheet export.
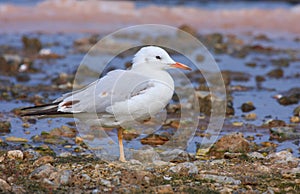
116	86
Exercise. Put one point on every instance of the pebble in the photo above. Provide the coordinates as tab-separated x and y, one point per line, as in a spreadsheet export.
65	154
43	160
16	139
295	119
147	155
4	186
5	127
65	177
284	133
222	179
175	155
135	162
276	73
251	116
247	107
287	100
42	172
186	166
105	182
160	163
282	157
231	143
15	154
296	111
166	189
255	155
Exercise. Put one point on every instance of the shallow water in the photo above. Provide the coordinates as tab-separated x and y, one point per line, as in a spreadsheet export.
236	19
266	106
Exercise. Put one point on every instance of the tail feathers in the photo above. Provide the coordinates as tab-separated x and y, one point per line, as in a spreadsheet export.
45	109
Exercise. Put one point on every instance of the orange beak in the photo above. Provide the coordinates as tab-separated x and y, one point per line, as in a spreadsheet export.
181	66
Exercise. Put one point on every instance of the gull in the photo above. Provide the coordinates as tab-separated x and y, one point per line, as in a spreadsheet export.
121	97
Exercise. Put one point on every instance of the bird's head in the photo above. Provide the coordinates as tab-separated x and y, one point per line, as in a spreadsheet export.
156	58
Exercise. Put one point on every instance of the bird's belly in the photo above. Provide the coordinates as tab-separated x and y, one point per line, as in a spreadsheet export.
144	106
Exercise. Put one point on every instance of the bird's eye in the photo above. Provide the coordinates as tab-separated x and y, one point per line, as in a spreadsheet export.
158	57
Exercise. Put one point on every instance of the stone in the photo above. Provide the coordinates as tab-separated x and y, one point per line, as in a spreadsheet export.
31	45
65	177
295	119
247	107
4	186
282	157
189	29
43	160
231	143
284	133
146	155
255	155
165	189
5	127
105	182
16	139
222	179
176	155
276	73
31	154
250	116
287	100
186	167
42	172
15	154
296	111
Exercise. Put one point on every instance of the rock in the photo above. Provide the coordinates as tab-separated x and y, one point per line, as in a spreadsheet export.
231	143
105	182
65	154
5	127
280	62
154	139
147	155
30	154
276	73
176	155
287	100
15	154
42	172
275	123
247	107
160	163
284	133
188	29
135	162
163	189
65	177
236	76
85	177
282	157
18	189
255	155
296	111
250	116
23	77
185	168
295	119
4	186
43	160
31	45
222	179
16	139
64	131
259	78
